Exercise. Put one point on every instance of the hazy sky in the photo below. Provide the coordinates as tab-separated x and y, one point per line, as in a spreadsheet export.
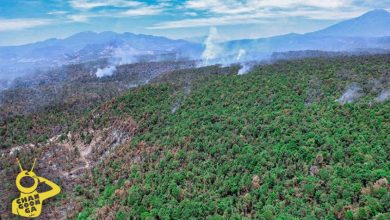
32	20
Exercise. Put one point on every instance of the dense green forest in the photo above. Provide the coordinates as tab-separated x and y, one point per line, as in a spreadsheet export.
271	144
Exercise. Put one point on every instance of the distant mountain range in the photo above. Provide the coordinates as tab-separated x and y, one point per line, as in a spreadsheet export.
89	46
367	32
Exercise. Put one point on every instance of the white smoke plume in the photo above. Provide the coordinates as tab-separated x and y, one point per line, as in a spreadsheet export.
126	54
240	54
383	96
212	49
245	68
351	94
214	53
107	71
176	106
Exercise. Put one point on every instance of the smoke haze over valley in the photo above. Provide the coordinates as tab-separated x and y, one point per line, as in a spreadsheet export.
367	33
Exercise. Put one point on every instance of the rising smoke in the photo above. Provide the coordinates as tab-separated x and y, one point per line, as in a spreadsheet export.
119	56
180	100
241	54
352	93
215	53
383	96
245	68
212	49
107	71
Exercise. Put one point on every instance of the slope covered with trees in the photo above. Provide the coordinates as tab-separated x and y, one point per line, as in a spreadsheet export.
255	146
272	143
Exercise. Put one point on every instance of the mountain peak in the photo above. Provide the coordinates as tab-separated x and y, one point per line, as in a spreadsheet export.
374	23
375	14
82	35
377	11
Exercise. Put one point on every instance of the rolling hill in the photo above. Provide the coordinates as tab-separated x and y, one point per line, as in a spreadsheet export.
203	144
